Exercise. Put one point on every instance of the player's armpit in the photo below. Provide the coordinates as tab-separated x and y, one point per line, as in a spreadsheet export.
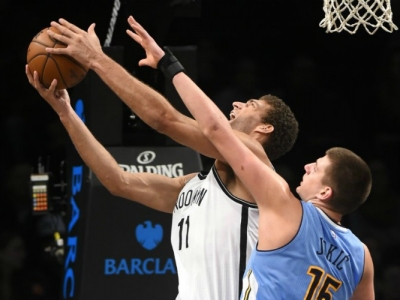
156	191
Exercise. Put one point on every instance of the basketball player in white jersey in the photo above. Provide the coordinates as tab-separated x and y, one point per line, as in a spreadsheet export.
214	226
303	251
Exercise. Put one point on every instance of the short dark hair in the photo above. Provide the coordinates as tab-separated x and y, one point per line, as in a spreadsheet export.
350	178
285	125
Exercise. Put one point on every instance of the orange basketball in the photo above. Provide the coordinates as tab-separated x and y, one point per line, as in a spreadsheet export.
64	68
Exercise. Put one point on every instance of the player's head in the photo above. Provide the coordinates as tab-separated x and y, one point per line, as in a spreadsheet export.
271	119
340	179
286	128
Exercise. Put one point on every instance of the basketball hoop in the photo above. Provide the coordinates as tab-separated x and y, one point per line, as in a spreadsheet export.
350	14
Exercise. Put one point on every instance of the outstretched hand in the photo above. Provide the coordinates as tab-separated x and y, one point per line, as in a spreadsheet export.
81	45
153	51
58	99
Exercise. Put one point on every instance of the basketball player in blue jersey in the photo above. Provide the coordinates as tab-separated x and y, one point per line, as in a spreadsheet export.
214	217
303	251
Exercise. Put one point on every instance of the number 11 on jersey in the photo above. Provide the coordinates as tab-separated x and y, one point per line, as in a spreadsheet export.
182	226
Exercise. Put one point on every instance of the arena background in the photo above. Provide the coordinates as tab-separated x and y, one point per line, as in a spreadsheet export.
344	90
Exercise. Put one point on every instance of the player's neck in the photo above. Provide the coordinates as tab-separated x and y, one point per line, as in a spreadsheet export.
334	216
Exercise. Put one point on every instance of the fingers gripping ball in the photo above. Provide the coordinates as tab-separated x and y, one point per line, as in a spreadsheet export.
64	68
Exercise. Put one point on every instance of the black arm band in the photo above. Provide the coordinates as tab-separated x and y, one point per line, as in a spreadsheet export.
170	65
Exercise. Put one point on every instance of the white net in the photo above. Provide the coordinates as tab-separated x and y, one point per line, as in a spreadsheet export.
350	14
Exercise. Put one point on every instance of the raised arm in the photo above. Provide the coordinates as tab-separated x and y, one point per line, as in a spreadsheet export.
212	122
152	190
149	105
154	53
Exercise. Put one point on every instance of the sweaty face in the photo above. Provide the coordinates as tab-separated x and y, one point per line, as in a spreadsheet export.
246	116
311	184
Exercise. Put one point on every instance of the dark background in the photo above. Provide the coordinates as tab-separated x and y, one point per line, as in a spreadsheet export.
344	90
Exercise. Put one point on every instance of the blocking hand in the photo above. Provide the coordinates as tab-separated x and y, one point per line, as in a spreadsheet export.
153	51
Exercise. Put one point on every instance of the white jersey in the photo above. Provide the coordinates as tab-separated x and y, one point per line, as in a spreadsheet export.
213	234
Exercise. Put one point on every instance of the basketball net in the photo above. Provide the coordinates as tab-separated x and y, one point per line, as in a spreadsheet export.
350	14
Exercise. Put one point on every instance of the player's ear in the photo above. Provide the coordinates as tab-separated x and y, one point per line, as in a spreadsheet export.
325	193
265	128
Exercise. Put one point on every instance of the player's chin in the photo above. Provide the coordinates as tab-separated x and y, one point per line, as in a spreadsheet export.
298	190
